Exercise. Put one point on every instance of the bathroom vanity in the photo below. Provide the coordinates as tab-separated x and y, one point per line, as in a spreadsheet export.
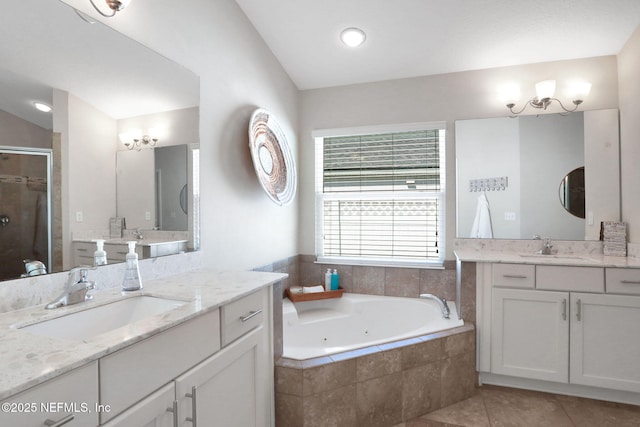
565	324
117	249
202	354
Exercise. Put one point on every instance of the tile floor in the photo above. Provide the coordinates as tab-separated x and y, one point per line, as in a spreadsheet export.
495	406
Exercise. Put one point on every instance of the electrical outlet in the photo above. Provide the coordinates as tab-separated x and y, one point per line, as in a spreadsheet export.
147	216
79	216
509	216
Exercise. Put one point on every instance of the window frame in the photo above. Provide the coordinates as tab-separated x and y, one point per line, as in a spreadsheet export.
320	196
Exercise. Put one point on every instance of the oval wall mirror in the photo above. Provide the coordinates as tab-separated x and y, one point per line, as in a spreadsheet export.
572	192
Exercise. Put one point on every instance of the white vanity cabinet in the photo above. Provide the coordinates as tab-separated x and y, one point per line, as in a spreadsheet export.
157	410
234	386
605	341
530	334
183	374
70	400
560	325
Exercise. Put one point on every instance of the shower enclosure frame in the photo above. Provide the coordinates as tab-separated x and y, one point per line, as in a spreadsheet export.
48	154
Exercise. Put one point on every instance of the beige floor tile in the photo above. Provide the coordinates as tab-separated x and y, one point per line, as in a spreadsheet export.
594	413
470	412
509	408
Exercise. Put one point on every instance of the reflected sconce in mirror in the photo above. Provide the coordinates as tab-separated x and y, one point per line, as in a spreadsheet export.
545	91
114	5
135	139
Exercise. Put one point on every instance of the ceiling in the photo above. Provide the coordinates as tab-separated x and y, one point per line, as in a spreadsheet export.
410	38
47	45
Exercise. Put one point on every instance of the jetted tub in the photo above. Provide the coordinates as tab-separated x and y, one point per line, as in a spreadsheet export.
325	327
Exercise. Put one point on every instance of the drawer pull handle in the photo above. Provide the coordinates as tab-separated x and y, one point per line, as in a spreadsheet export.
174	411
564	309
251	314
630	282
82	250
578	311
514	276
61	422
192	395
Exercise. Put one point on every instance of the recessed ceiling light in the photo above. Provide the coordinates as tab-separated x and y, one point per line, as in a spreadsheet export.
353	37
42	106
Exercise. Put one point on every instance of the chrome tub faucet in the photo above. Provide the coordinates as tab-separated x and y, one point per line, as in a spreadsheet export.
444	307
75	288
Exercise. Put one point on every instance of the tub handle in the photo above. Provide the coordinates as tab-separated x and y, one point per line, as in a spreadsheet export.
251	314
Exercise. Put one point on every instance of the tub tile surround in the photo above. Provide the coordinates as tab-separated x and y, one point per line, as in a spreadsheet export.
378	386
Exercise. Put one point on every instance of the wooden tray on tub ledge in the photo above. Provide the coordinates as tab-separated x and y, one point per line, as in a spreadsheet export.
312	296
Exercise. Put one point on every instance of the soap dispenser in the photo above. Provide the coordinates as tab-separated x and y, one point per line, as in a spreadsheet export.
99	256
131	281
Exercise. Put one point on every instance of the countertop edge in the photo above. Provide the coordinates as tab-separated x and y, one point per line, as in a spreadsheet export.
204	290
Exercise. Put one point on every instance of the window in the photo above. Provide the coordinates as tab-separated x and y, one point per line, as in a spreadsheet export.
380	197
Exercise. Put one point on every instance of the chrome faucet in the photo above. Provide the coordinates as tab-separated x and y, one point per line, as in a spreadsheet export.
75	289
138	234
446	313
546	247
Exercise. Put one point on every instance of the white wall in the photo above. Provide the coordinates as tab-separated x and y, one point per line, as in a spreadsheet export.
629	70
490	148
448	97
241	227
89	176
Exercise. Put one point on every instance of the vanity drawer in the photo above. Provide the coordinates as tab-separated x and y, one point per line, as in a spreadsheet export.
132	373
623	280
514	276
572	279
239	317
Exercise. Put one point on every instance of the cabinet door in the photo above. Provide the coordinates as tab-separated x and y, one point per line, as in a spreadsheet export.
157	410
70	400
605	342
226	389
530	334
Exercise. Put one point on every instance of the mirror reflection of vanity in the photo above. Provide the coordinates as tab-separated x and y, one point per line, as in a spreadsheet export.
534	154
100	84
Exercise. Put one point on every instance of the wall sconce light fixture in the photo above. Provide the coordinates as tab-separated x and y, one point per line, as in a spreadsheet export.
135	139
544	96
114	5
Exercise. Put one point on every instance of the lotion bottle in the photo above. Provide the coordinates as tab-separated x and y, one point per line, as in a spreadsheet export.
99	256
131	281
335	280
327	280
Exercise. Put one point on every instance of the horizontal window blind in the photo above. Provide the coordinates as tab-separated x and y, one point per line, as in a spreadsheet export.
401	161
381	197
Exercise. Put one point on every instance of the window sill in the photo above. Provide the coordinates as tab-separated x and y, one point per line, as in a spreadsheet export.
434	265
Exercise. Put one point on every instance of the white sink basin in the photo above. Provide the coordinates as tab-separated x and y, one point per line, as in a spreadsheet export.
98	320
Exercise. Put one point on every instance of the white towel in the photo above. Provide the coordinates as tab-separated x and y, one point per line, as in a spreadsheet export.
481	228
312	289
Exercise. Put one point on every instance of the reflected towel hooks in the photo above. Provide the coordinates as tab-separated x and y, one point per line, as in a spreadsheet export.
489	184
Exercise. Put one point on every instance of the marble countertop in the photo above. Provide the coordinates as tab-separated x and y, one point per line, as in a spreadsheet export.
28	360
139	242
566	259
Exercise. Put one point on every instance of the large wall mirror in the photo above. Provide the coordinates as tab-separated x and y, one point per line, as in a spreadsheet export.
100	84
532	156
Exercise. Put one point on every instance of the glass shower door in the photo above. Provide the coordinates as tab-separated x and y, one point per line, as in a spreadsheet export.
25	209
